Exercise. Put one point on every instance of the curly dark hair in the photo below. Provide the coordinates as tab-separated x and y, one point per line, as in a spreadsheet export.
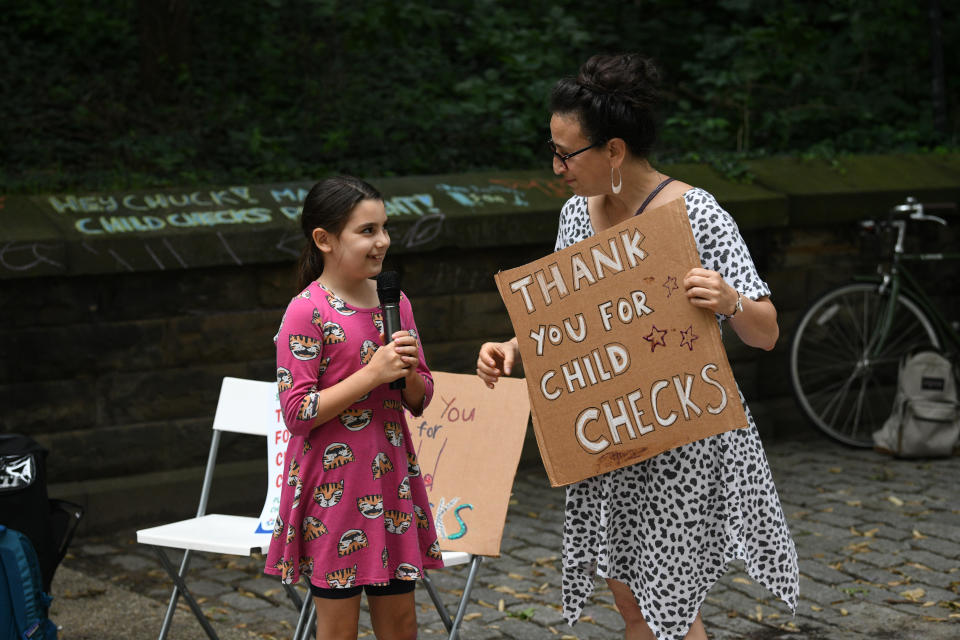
613	96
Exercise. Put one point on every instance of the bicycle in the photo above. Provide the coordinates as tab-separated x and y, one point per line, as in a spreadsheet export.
845	352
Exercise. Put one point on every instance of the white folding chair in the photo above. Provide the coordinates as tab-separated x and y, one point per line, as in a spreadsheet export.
245	406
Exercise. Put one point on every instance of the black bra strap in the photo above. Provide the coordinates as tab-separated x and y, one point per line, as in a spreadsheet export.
653	194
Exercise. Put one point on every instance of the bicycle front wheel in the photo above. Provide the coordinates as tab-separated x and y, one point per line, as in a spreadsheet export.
844	378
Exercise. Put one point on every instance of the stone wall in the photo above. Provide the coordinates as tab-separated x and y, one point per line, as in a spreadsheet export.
122	312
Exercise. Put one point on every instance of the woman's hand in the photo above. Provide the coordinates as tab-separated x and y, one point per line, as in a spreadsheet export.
708	290
396	359
497	359
755	324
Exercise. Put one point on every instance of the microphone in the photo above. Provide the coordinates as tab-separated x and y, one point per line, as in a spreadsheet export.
388	291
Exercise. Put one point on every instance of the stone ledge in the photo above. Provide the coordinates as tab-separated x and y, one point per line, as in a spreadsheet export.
171	229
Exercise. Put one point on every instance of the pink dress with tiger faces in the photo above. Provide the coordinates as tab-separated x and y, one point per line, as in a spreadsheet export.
354	509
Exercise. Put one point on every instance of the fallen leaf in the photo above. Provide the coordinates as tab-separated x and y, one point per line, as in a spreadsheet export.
913	594
472	616
895	500
835	469
501	605
814	607
844	612
917	535
854	503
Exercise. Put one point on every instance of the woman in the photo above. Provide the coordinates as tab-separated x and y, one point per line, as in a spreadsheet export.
662	531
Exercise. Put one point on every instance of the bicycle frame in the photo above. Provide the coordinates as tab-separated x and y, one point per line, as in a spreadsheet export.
899	279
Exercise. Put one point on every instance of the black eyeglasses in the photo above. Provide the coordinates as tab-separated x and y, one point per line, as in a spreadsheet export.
563	157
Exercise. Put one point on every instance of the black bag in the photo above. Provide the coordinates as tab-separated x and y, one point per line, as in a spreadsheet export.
25	507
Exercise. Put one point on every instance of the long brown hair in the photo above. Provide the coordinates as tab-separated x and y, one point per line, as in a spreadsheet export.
328	205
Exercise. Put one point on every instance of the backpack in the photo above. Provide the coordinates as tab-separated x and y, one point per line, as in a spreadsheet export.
925	421
25	507
23	603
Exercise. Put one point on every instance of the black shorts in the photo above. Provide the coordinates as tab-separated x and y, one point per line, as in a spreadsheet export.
396	587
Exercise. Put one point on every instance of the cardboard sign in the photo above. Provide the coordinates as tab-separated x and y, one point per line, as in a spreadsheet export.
277	440
468	444
619	365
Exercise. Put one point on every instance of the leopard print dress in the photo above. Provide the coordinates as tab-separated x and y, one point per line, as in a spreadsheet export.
668	526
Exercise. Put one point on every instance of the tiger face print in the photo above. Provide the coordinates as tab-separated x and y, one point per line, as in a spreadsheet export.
333	333
356	419
306	565
434	551
322	367
394	433
286	570
422	521
293	472
342	578
351	541
406	571
370	506
397	521
385	557
367	349
277	527
390	403
381	465
339	306
378	321
336	455
307	447
303	294
312	528
403	491
297	492
413	469
309	405
304	347
291	533
317	318
284	379
328	494
363	398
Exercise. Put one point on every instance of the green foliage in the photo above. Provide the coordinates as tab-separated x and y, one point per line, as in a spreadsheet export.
118	94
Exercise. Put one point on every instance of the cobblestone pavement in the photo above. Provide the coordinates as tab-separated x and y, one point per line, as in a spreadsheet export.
878	540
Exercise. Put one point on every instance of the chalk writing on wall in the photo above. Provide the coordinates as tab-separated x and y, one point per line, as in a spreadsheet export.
554	188
23	257
480	195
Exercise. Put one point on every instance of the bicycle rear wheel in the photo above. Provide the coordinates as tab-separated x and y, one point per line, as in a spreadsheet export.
843	380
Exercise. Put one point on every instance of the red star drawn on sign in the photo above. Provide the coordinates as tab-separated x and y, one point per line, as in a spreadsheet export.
670	285
656	337
687	337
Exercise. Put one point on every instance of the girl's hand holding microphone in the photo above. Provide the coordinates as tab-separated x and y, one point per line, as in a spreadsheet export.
396	359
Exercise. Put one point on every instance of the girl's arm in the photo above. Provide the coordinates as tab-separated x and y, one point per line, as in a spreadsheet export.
301	363
419	381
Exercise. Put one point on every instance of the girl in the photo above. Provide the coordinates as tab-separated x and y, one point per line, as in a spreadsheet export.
354	514
662	531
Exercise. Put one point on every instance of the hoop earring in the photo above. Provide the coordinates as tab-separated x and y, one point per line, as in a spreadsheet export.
617	188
